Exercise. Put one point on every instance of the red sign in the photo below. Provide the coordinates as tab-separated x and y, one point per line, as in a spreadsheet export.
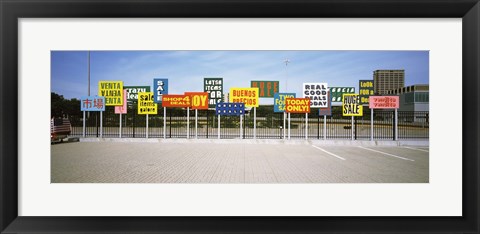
176	100
384	102
199	100
297	105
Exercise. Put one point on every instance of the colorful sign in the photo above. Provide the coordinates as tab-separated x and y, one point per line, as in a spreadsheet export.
365	90
249	96
384	102
146	104
317	93
297	105
176	100
279	101
214	87
199	100
266	88
337	92
92	103
227	108
160	87
123	108
351	105
112	90
132	91
326	111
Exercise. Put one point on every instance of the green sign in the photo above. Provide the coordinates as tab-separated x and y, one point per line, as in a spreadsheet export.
214	88
365	89
265	88
132	91
337	92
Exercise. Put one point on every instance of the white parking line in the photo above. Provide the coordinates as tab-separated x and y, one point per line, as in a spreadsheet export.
416	149
334	155
387	154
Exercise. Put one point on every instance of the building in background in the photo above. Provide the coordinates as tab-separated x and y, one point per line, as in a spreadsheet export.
415	99
385	80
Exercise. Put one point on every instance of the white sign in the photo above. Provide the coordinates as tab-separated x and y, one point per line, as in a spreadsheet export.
317	93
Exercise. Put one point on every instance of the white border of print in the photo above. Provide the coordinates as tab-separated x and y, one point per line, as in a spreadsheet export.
441	197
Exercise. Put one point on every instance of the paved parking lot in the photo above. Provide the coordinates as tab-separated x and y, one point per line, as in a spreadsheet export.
236	162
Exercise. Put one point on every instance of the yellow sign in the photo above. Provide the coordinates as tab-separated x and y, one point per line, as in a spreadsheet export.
146	104
112	90
351	105
249	96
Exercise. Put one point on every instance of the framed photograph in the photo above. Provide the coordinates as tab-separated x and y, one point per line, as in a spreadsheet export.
352	152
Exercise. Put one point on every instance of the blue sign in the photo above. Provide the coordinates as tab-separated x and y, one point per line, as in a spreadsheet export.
92	103
279	101
160	87
230	108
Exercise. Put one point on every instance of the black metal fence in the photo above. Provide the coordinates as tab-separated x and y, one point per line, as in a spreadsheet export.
269	125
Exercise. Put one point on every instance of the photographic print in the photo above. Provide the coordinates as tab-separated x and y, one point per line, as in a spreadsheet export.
239	117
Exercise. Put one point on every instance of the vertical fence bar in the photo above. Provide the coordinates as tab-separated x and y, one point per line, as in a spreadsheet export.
284	125
164	122
396	125
196	123
254	123
324	127
351	128
101	124
83	129
120	130
371	124
306	126
146	127
289	126
218	125
240	126
188	122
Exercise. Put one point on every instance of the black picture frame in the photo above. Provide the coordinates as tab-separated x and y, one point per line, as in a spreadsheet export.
11	11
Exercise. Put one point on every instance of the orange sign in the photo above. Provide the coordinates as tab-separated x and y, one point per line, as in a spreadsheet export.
176	100
297	105
199	100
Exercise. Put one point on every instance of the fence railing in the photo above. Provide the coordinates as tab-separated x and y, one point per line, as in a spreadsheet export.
411	125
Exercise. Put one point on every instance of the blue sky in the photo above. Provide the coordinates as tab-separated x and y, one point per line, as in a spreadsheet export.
186	69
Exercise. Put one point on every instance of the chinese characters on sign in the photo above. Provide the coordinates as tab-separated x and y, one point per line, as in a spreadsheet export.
92	103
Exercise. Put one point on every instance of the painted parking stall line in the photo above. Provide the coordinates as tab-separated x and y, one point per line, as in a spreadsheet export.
334	155
417	149
396	156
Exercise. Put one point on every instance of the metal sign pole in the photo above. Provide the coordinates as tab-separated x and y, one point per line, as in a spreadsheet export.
218	126
120	131
306	126
371	124
324	127
83	124
289	126
241	126
351	127
146	124
396	124
101	124
188	122
196	123
284	125
254	123
164	122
